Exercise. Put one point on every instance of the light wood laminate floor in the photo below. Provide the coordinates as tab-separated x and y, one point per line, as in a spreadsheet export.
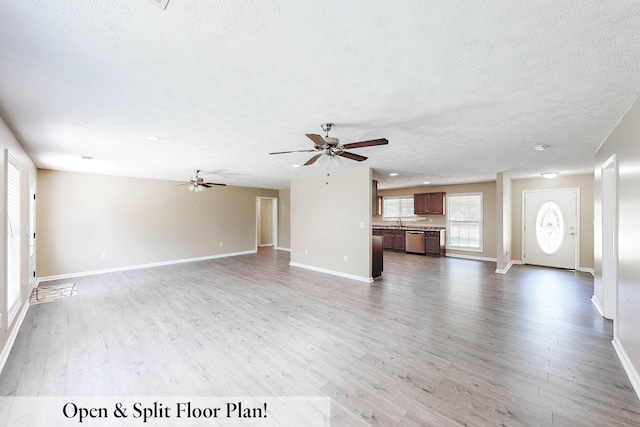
435	341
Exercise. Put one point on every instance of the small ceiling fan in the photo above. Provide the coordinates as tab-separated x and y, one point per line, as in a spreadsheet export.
198	184
332	147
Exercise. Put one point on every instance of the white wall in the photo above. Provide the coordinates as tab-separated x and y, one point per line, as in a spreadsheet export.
624	142
331	219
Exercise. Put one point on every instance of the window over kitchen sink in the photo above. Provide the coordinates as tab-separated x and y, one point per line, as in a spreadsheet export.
397	207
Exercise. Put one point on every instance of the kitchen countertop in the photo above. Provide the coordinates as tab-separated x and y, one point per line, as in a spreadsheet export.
409	227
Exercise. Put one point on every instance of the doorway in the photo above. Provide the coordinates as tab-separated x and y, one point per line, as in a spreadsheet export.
609	240
551	235
266	222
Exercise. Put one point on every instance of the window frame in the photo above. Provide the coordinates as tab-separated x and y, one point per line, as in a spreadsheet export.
480	223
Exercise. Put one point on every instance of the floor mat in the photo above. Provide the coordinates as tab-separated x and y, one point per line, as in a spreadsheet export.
48	293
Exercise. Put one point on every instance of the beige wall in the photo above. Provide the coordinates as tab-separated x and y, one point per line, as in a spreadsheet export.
8	141
624	142
488	190
331	219
136	222
584	183
284	219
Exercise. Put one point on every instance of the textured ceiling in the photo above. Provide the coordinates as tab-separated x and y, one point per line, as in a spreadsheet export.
462	90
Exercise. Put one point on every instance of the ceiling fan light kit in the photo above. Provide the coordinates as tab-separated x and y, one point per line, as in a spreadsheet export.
198	184
328	148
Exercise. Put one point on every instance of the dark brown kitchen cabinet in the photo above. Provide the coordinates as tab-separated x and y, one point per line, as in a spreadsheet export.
435	242
428	203
393	240
376	256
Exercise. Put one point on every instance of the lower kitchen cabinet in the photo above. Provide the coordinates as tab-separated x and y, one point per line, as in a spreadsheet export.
393	240
435	242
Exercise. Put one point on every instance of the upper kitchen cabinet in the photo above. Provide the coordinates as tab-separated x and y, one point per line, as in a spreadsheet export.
428	203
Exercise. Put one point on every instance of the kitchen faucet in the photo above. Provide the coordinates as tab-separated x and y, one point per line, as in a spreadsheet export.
399	222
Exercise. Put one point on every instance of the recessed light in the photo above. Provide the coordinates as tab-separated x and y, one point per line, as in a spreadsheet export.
88	157
540	147
550	175
393	174
153	138
427	182
295	166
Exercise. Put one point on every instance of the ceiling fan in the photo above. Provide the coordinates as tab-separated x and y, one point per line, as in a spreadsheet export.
198	184
332	147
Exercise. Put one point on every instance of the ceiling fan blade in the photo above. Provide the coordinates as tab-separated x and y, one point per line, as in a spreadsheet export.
204	184
294	151
356	157
381	141
317	139
313	159
215	183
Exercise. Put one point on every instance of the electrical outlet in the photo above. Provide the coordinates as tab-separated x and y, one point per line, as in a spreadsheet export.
104	255
220	244
361	224
346	258
306	252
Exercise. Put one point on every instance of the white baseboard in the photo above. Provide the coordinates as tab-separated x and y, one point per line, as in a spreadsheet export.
4	354
631	371
587	270
283	249
137	267
473	257
266	245
597	304
504	270
332	272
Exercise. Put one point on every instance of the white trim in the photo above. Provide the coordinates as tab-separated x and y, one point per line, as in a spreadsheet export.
266	245
609	226
139	266
4	355
504	270
597	304
284	249
627	365
586	270
332	272
473	257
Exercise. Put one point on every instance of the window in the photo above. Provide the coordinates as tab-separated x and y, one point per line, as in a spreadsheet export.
13	236
550	228
464	221
397	207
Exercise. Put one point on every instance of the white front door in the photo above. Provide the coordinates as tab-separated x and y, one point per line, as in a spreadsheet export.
550	235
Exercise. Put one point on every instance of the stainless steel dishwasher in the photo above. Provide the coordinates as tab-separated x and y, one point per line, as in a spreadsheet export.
415	242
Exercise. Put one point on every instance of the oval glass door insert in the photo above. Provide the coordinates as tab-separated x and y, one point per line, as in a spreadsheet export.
549	228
